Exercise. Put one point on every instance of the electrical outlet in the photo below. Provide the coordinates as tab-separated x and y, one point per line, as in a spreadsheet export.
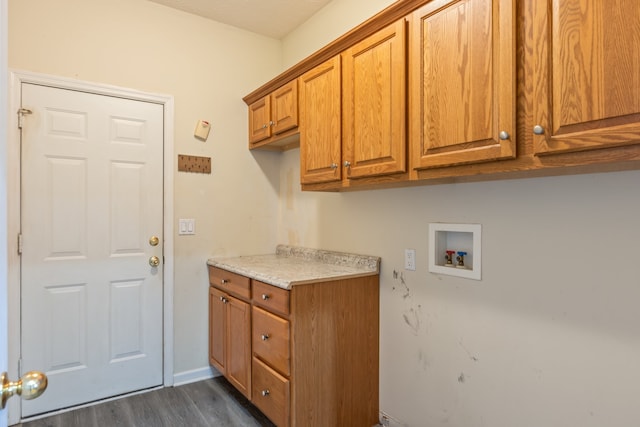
410	259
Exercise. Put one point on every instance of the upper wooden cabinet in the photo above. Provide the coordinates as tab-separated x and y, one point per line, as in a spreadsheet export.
587	75
426	91
374	104
462	93
320	125
273	115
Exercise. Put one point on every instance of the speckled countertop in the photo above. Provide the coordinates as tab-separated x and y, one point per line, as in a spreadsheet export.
292	265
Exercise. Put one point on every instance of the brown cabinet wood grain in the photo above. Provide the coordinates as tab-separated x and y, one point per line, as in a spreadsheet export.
311	352
271	393
270	340
275	116
320	123
463	82
374	79
586	89
496	89
230	338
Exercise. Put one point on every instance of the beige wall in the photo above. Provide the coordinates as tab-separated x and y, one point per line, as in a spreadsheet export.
208	68
549	337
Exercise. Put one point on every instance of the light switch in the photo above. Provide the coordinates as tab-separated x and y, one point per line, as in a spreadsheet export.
186	226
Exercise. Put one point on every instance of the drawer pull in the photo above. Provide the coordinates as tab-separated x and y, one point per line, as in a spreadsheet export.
264	337
225	281
265	393
265	297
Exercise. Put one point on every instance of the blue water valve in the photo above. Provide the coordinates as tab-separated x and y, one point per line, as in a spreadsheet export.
460	259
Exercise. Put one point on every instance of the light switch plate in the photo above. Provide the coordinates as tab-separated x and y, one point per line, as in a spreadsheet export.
186	226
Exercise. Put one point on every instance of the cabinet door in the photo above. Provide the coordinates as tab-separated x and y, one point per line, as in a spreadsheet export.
586	74
217	329
260	120
284	107
239	345
320	126
373	106
462	60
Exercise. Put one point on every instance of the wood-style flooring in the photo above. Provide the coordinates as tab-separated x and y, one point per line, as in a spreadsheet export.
212	402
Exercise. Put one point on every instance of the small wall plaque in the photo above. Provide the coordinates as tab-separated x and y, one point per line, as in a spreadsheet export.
194	164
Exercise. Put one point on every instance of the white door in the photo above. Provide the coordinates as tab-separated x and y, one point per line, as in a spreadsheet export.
92	189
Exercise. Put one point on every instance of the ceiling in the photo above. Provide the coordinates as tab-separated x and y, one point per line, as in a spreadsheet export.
272	18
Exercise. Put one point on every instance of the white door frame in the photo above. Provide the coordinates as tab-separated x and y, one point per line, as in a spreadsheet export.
4	100
17	78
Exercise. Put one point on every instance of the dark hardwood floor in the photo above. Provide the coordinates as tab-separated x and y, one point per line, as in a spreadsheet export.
206	403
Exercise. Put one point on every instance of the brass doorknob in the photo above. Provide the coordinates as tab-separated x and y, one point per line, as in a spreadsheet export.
30	386
154	261
153	240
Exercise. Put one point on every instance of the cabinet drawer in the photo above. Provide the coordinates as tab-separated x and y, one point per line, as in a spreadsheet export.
230	282
270	339
271	297
270	393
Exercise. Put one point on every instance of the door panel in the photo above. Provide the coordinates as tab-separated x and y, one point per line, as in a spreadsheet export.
463	82
92	196
320	123
586	68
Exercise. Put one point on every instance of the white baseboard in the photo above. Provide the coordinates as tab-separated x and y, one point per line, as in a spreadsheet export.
194	375
387	420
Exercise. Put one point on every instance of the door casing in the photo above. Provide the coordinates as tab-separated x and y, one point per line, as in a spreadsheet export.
17	78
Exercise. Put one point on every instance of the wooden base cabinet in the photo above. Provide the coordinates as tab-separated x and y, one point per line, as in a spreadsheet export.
314	350
230	333
334	353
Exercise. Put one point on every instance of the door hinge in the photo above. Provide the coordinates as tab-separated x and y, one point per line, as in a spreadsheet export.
20	367
21	113
19	243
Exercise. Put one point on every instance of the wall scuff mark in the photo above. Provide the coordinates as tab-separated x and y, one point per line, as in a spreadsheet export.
471	356
407	291
411	318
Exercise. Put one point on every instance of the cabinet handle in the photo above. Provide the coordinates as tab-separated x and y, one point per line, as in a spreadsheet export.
264	337
265	393
264	126
224	281
224	300
347	164
504	135
265	297
272	123
538	130
334	166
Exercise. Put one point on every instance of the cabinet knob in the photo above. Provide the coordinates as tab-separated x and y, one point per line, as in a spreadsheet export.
272	123
538	130
265	297
264	337
264	126
224	300
504	135
265	393
334	166
347	164
224	281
